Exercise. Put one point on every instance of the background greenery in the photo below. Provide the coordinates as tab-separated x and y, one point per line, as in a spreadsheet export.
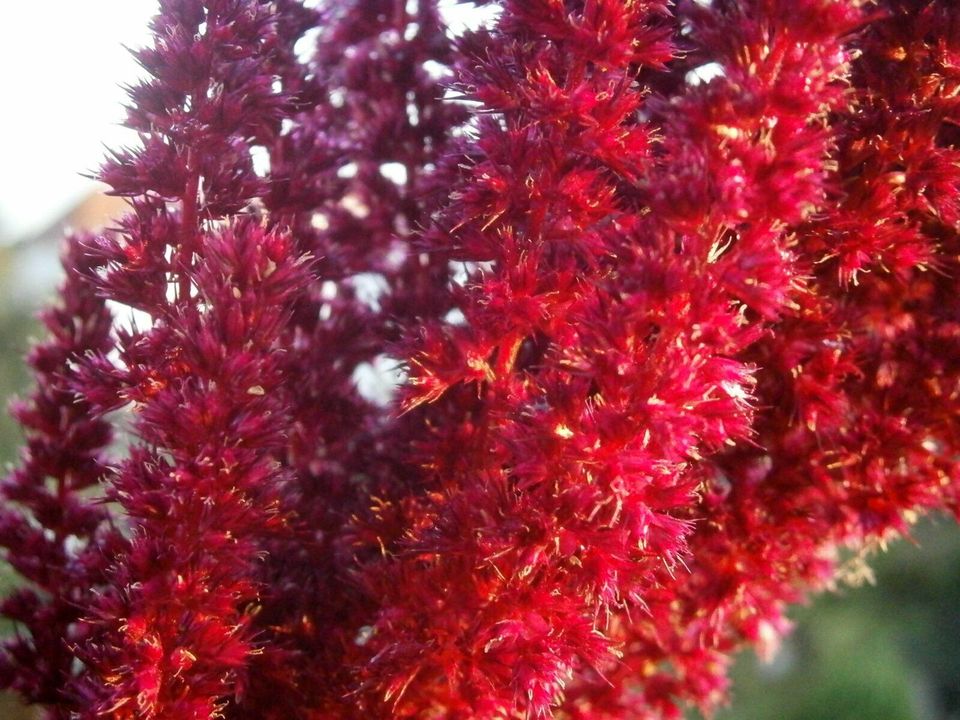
887	651
17	325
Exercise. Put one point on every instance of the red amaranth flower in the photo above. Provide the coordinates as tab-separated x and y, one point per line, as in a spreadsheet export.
601	364
53	533
672	342
204	378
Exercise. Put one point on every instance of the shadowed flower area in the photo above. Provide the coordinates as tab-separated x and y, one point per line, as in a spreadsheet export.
534	370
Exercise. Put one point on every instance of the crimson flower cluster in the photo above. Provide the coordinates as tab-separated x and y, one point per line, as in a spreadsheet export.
524	372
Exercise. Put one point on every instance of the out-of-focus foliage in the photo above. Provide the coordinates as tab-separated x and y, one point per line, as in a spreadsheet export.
15	330
887	650
17	325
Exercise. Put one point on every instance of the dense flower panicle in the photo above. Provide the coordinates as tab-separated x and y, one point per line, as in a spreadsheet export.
209	95
53	533
595	380
675	286
375	128
857	422
351	178
201	486
736	266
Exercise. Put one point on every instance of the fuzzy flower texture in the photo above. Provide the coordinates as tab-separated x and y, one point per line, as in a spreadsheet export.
526	371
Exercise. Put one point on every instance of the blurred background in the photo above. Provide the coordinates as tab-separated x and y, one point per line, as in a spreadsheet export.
883	651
